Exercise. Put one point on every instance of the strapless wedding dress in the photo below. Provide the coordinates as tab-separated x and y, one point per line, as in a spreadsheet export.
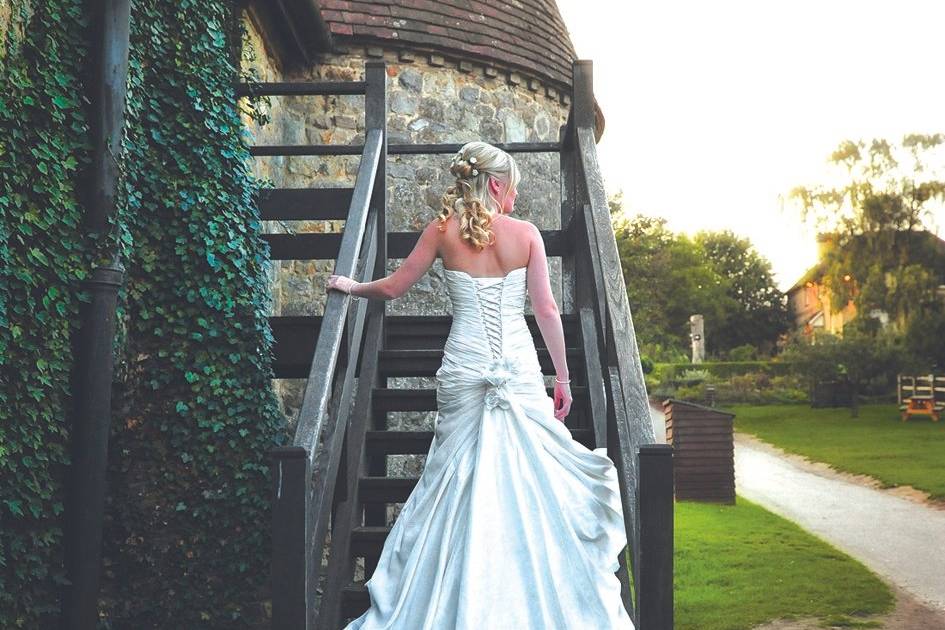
512	524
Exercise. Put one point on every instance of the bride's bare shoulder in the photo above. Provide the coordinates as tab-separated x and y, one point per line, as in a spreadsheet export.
516	223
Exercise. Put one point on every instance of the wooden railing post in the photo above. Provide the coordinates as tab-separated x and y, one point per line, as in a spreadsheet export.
644	467
654	570
293	575
375	117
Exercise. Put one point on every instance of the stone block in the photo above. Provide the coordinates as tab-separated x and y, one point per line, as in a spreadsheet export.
469	93
411	79
403	103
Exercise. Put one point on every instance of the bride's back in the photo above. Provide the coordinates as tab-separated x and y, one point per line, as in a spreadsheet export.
509	251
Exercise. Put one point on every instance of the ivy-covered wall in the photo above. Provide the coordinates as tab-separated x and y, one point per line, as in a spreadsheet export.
44	146
194	415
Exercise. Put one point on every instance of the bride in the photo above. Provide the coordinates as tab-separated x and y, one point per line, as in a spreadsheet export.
512	524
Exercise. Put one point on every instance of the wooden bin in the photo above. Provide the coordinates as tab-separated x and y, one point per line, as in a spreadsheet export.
703	451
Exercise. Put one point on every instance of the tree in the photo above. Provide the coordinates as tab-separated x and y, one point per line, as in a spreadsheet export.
883	256
761	314
668	279
857	357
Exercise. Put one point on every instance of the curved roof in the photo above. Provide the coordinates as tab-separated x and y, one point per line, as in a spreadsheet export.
528	35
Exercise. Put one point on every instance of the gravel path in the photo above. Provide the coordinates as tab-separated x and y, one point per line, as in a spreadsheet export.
900	538
897	532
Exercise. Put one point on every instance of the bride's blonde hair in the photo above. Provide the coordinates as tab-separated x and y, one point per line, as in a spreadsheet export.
470	195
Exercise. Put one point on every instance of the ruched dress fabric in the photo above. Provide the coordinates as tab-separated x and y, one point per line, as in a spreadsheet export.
513	523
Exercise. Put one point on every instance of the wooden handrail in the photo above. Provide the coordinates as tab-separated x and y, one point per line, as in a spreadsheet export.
299	88
314	407
304	473
621	347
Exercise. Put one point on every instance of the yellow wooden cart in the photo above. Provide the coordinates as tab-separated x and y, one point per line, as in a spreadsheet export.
921	395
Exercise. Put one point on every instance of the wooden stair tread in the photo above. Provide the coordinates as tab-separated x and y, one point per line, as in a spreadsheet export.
388	399
355	599
425	362
387	442
305	204
296	335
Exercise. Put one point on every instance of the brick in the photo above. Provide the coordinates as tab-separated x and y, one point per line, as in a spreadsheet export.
341	29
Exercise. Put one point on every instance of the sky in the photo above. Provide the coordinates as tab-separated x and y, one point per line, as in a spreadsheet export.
715	110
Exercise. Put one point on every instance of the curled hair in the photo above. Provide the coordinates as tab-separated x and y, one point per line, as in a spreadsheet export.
470	196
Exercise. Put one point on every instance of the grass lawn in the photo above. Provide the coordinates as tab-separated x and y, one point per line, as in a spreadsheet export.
876	443
737	566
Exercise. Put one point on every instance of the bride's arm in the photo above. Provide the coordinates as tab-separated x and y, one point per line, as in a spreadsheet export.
547	315
396	284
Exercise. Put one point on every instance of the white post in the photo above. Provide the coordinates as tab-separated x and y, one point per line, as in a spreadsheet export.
697	334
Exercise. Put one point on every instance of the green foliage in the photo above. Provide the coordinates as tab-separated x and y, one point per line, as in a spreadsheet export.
866	360
668	279
647	364
187	537
760	382
187	517
880	254
762	314
716	274
43	148
693	376
924	340
725	369
746	352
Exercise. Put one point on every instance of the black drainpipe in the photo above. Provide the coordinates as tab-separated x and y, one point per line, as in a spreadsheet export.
92	376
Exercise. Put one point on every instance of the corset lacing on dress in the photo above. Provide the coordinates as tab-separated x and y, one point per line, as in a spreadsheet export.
490	312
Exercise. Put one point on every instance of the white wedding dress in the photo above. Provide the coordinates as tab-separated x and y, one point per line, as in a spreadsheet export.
513	524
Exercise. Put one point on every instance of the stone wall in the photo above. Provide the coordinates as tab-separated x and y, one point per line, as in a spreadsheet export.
431	99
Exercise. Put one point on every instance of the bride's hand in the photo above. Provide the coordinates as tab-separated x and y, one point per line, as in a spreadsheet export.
562	400
340	283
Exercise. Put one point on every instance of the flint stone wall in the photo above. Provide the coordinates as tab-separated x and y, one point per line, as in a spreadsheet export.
431	99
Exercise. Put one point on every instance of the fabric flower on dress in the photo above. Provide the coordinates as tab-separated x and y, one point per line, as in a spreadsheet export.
497	375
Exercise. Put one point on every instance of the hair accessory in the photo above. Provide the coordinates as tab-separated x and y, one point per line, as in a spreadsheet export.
562	382
459	159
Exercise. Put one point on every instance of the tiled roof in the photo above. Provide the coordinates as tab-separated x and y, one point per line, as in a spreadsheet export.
527	35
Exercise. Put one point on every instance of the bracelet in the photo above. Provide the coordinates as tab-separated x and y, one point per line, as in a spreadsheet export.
562	382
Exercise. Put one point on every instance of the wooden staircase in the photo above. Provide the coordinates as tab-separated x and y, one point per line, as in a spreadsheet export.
413	348
333	478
